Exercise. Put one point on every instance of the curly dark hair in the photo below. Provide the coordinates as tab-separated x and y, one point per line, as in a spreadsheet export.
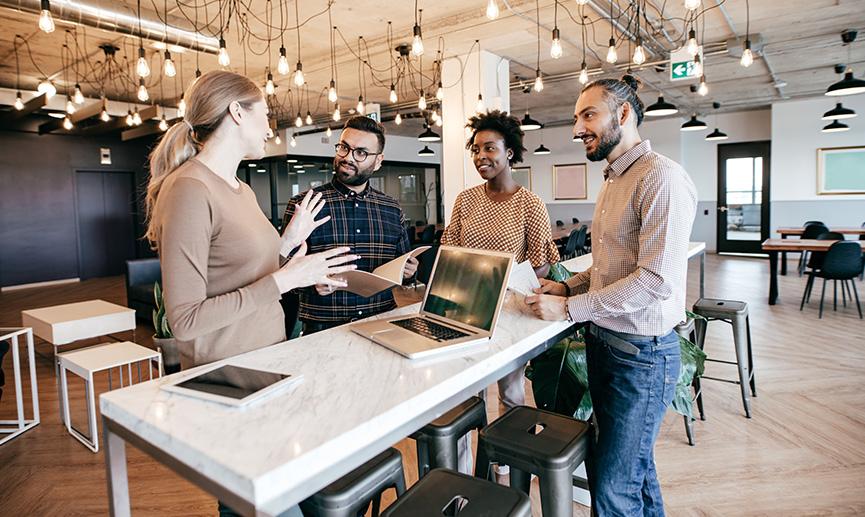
503	124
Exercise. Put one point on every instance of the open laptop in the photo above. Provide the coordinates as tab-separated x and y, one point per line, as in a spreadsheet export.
462	303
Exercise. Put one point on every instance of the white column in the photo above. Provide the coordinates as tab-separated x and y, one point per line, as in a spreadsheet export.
462	77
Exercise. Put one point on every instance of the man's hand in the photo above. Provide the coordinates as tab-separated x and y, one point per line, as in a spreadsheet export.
410	267
326	289
551	287
548	307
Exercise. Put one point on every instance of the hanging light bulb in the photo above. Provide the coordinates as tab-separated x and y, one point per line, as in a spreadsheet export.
393	97
639	54
336	114
78	97
360	108
480	107
142	91
103	115
282	67
747	57
47	88
492	10
308	118
693	48
168	67
130	121
70	106
67	124
163	124
439	121
398	119
417	42
293	141
692	4
434	116
298	75
698	65
269	87
181	106
612	56
584	73
277	140
440	92
556	47
142	68
299	120
224	59
331	92
136	118
539	83
46	22
421	101
19	103
329	132
703	89
582	2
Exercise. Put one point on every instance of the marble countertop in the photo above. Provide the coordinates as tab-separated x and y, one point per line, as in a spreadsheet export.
356	399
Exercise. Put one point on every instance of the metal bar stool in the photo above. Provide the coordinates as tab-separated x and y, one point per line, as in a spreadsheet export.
736	314
351	494
437	441
445	492
534	441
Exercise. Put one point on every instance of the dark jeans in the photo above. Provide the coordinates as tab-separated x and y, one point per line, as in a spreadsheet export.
632	380
225	511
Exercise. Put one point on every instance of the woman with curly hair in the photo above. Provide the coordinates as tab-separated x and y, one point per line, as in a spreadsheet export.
501	215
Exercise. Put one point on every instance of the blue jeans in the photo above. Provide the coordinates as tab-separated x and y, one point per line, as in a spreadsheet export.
631	380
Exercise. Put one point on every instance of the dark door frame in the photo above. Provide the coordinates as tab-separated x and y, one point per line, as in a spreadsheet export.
135	214
760	148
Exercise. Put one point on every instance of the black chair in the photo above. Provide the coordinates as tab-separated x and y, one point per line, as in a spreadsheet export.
437	442
575	220
814	222
576	245
141	274
811	232
559	223
842	262
815	262
438	236
412	234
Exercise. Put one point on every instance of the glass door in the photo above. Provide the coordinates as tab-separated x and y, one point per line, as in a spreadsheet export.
743	197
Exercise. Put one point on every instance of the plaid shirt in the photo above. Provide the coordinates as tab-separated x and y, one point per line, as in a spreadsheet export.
640	232
372	224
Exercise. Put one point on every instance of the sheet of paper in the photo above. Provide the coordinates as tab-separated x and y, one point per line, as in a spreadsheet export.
393	270
523	279
384	277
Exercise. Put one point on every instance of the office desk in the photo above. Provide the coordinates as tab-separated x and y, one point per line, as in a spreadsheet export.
356	400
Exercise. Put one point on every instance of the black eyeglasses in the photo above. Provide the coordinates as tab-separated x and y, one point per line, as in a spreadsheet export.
359	155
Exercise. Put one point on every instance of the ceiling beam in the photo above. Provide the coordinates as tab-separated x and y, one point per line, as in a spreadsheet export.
89	111
117	123
11	117
149	128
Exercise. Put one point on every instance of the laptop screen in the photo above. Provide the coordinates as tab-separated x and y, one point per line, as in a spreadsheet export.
466	286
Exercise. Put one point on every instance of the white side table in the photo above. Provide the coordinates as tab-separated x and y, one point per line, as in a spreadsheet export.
13	428
87	361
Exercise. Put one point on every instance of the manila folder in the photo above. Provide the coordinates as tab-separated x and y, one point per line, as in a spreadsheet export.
383	277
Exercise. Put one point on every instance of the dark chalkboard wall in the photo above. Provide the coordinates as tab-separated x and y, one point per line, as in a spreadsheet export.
38	211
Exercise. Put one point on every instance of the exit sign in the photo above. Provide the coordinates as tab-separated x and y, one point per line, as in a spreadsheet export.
682	65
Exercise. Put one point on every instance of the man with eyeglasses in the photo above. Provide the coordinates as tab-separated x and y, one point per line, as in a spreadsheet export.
367	220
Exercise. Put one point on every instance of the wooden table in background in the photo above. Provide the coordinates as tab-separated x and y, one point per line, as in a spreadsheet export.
785	231
774	246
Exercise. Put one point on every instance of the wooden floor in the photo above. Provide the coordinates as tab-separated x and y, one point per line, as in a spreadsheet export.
803	452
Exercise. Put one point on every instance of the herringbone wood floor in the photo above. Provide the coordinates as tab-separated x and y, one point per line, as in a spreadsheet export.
803	453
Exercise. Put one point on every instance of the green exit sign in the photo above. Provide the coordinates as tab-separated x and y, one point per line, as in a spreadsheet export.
683	70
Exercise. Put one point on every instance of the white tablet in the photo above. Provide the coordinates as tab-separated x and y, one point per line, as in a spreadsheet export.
231	385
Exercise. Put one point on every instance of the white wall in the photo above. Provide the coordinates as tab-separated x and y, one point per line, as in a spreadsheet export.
397	148
796	138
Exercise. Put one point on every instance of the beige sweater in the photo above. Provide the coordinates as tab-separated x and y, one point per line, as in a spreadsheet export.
217	251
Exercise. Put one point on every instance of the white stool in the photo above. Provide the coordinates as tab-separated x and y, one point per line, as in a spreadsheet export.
87	361
13	428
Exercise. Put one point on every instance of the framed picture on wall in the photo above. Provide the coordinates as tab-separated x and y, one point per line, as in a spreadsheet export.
841	170
523	176
569	181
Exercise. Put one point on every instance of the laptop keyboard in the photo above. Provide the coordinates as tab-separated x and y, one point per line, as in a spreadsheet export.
429	329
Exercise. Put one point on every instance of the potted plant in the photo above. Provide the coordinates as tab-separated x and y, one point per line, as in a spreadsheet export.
560	380
163	339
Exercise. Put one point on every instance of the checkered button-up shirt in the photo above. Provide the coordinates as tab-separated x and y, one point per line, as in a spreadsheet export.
640	233
371	223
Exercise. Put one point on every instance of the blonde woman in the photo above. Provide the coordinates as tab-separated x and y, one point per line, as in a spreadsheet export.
220	255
